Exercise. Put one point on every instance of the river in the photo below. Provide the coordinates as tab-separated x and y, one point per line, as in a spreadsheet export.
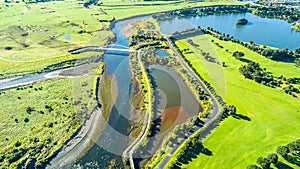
114	139
176	100
111	144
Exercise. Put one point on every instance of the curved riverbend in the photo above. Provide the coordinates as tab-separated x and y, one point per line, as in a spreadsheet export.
118	66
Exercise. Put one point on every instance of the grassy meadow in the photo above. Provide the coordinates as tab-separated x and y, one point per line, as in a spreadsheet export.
36	35
274	115
38	119
123	9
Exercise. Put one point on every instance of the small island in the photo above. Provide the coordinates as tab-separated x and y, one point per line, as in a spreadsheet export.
242	21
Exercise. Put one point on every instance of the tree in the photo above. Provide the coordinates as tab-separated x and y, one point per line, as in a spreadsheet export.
273	158
172	140
223	64
26	120
238	55
18	143
263	162
297	51
283	151
297	61
229	110
29	110
253	166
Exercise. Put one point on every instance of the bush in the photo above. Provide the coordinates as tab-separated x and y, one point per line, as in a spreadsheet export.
263	162
8	48
283	151
26	120
17	144
273	158
252	166
29	110
48	124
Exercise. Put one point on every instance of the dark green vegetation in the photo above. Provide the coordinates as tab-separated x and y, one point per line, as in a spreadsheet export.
284	55
39	119
290	153
242	21
277	11
138	97
139	87
218	10
274	10
254	72
193	146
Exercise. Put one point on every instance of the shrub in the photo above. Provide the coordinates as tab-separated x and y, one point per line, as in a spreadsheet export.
17	144
8	48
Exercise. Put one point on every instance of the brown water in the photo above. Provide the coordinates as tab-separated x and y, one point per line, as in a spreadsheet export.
174	105
171	117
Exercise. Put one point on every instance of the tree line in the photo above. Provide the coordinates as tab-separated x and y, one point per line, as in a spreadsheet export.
260	75
193	146
202	11
285	55
290	152
276	11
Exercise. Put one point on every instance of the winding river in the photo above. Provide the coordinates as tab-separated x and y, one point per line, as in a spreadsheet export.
112	142
114	139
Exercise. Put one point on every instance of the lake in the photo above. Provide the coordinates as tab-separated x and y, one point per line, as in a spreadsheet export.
272	32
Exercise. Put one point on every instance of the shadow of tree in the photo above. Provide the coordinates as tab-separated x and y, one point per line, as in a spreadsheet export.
281	165
293	159
241	117
245	60
192	153
210	59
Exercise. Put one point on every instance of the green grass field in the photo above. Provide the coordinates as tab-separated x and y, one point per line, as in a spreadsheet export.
274	115
36	121
42	117
122	9
36	35
42	33
44	30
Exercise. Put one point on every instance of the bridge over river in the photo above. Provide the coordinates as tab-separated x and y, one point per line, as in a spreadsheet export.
114	49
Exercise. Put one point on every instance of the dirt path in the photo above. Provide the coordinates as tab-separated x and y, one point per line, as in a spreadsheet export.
74	148
38	77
